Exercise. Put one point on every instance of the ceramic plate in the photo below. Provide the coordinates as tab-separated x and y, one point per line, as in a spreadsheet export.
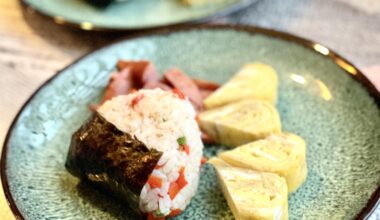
131	14
320	98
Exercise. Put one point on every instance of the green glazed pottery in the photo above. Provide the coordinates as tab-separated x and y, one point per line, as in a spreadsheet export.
320	98
131	14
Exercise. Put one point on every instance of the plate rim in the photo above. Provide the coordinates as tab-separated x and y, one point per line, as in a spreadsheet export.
64	22
348	68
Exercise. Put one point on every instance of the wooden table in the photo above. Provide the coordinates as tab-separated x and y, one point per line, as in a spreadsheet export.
32	49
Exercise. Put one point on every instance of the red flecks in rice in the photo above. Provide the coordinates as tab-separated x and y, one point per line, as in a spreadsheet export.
173	190
155	182
157	167
136	100
186	148
178	93
197	118
203	160
152	217
175	212
181	181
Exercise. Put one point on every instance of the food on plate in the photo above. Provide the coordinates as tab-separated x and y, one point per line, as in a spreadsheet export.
283	154
142	74
143	142
144	147
254	81
252	194
131	76
177	79
257	176
102	153
240	122
206	85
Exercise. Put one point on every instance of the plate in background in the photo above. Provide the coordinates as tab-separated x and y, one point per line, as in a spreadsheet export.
319	99
131	14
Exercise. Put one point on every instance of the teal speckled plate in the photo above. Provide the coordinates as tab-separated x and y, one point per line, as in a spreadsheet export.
319	99
131	14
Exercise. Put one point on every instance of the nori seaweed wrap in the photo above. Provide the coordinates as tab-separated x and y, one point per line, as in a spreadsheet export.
101	153
143	147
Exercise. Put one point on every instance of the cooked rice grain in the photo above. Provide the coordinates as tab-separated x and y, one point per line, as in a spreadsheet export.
158	120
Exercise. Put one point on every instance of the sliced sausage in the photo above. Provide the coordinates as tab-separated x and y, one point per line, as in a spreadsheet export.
205	93
207	139
143	72
119	84
206	85
186	85
154	85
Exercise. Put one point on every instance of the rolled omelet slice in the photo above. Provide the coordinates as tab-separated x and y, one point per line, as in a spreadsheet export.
251	194
241	122
253	81
283	154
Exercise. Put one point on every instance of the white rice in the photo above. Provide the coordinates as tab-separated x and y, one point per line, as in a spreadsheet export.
158	120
